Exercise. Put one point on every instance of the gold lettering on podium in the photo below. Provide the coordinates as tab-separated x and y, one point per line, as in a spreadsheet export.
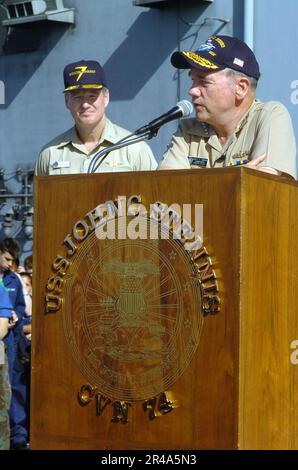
160	405
165	405
86	394
157	406
55	283
150	406
207	281
101	403
132	307
120	412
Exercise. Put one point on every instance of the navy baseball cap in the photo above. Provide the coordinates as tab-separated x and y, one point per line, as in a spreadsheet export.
84	74
218	53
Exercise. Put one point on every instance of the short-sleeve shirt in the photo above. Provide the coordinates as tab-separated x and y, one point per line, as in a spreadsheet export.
265	128
67	154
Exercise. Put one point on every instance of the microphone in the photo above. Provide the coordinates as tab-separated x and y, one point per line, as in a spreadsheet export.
182	109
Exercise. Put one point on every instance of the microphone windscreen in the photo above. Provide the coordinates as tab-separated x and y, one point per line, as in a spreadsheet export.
186	107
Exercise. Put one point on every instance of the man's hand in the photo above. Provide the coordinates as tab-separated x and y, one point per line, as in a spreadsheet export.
13	320
254	164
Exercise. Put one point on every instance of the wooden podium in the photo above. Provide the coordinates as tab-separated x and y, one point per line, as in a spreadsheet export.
124	357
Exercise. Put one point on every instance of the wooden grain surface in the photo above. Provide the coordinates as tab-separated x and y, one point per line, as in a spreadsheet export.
211	411
269	275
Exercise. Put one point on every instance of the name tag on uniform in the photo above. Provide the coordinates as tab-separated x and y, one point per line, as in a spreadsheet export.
57	165
198	161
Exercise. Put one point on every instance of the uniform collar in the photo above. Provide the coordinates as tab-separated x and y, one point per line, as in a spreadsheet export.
203	129
67	137
71	137
244	119
212	136
109	135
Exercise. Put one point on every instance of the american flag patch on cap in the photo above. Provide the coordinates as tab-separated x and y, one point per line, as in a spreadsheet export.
238	62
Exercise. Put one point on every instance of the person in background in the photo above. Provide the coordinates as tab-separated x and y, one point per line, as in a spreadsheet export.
16	267
27	292
28	264
9	251
5	389
24	353
231	126
87	97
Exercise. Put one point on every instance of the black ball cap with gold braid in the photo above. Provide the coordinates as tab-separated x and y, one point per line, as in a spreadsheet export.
219	52
84	75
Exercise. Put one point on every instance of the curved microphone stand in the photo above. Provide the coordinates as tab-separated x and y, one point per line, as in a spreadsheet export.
96	160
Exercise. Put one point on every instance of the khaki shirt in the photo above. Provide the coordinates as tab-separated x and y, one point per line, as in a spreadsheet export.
67	154
265	128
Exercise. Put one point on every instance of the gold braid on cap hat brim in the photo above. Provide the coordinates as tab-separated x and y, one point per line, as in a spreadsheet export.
197	59
86	87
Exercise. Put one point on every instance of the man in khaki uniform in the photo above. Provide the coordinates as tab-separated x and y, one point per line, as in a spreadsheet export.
86	97
231	127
